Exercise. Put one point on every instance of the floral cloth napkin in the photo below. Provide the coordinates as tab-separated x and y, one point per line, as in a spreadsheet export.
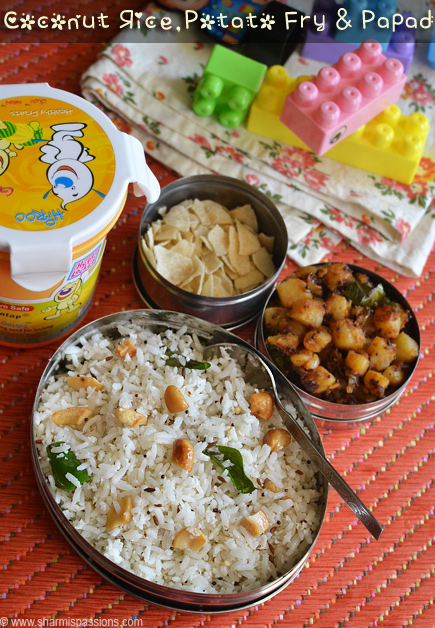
146	88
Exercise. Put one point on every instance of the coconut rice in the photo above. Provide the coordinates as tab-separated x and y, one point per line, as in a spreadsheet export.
136	462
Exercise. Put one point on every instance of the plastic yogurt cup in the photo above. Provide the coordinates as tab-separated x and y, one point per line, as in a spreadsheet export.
64	173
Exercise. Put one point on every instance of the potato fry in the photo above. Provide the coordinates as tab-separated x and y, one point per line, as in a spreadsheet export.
338	334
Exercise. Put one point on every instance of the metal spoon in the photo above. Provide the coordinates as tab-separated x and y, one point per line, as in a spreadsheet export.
261	373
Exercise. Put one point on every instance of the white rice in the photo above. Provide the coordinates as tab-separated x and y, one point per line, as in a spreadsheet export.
125	461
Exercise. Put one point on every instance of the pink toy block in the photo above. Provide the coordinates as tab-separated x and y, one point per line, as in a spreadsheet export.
343	97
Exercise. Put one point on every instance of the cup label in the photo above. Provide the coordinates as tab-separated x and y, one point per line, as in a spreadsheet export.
56	164
44	319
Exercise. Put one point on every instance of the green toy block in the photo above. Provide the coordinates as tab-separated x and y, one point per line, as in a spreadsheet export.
228	86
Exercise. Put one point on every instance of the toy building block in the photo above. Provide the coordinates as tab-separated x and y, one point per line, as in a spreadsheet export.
390	145
343	97
431	52
264	115
356	34
228	86
273	47
402	44
322	46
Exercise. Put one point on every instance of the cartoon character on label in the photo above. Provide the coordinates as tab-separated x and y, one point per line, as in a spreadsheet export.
65	299
5	155
14	136
68	174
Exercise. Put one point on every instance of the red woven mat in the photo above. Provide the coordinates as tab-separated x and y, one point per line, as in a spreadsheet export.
350	580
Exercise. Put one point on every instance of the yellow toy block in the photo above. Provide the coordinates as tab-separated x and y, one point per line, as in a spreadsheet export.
265	112
390	145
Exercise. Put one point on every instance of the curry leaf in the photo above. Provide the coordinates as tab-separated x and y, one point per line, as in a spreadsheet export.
235	472
362	294
63	463
190	364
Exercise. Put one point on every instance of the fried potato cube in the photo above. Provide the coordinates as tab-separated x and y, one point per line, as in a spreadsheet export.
317	340
338	274
395	374
318	380
381	353
337	306
289	326
308	270
407	348
357	363
314	286
291	290
116	519
376	383
286	343
388	321
272	316
71	416
305	359
309	312
256	524
347	335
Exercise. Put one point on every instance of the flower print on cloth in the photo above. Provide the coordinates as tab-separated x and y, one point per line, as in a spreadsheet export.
404	228
121	55
421	190
313	248
112	82
252	179
231	152
201	140
366	235
315	179
420	93
379	216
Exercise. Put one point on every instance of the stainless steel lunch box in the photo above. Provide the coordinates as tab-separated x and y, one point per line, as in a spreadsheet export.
229	312
160	321
336	415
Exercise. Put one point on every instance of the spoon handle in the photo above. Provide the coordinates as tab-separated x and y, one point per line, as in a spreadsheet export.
326	468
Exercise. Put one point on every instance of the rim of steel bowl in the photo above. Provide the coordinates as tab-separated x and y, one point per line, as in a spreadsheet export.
338	415
158	321
231	311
